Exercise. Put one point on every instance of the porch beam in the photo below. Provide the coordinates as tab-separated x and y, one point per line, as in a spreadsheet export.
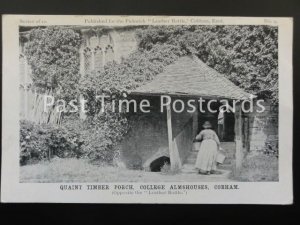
239	154
170	136
173	151
195	123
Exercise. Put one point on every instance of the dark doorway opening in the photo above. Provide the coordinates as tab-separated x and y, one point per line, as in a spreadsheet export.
222	123
158	163
226	126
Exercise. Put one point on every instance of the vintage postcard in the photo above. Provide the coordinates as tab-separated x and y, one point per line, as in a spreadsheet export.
147	109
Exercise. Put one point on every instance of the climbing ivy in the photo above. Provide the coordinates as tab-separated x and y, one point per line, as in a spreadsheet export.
53	55
247	55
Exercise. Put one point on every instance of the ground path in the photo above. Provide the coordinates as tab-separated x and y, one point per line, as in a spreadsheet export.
79	170
189	169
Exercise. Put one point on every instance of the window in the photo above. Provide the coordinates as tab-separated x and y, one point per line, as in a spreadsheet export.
94	41
109	54
97	52
98	59
22	69
87	60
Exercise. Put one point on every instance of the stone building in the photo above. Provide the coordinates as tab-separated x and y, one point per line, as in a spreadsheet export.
100	47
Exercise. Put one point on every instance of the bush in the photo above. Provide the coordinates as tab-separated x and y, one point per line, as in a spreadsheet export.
64	143
33	144
39	142
101	135
93	139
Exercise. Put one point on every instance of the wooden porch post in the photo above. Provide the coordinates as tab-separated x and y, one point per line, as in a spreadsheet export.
239	154
174	158
195	123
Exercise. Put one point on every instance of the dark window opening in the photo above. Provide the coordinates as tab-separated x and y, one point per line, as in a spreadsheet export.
158	163
226	126
222	123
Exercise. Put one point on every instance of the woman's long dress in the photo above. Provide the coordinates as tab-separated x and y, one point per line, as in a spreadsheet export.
206	158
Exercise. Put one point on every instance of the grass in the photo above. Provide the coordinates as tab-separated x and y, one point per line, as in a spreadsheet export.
258	168
255	168
79	170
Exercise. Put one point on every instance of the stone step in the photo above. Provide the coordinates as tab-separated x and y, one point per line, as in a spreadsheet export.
193	153
190	160
190	169
192	156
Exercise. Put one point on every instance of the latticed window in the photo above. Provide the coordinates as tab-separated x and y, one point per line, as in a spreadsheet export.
87	60
22	69
109	54
98	59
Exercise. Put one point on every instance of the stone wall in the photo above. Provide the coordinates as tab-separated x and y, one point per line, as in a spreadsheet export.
263	127
148	136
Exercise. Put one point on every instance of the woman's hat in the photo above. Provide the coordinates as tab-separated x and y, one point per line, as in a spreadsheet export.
206	124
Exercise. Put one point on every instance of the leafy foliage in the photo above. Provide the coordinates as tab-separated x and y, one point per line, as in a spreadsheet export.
99	134
33	144
53	54
37	141
247	55
139	68
65	142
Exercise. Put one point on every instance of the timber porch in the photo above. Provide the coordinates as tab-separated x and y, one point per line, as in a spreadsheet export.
169	133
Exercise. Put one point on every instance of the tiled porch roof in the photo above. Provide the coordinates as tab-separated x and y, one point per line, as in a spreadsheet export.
191	77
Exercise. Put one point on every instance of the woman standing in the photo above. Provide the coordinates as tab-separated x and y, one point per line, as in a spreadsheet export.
206	158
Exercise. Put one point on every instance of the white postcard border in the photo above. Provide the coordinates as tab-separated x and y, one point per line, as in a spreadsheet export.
249	192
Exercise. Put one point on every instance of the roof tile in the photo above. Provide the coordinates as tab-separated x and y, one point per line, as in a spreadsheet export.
190	76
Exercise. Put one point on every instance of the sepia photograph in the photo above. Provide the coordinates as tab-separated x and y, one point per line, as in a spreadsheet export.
148	103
